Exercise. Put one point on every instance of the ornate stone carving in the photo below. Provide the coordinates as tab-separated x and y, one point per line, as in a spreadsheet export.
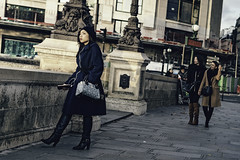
134	8
131	34
75	15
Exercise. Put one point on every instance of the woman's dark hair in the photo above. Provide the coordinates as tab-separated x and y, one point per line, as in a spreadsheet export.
200	60
81	45
78	40
216	63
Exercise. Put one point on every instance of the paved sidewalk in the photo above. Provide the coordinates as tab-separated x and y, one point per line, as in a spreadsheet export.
161	134
234	98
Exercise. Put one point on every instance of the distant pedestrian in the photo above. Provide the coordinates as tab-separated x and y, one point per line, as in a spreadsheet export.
90	67
211	78
169	73
194	78
182	73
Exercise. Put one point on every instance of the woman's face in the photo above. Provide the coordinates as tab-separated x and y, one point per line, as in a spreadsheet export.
196	60
213	66
84	37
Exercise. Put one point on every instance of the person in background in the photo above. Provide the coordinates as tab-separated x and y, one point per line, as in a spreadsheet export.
211	78
169	73
182	74
194	78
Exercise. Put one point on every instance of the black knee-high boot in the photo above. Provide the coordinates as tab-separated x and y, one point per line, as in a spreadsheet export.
87	128
56	135
206	113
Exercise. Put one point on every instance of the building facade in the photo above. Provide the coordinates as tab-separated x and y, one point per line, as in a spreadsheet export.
237	45
164	24
24	23
169	20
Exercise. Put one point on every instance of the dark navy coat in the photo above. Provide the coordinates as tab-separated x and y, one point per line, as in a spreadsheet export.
91	61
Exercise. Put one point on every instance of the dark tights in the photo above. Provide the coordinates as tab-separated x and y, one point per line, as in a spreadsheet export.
87	126
208	111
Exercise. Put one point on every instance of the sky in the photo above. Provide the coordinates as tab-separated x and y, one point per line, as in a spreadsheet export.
231	11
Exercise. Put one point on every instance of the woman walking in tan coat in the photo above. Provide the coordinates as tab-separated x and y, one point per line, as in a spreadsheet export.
211	78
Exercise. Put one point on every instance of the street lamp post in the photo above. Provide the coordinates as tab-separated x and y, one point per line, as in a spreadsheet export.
236	65
195	29
164	57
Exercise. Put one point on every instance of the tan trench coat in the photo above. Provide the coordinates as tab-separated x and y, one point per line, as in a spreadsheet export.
215	97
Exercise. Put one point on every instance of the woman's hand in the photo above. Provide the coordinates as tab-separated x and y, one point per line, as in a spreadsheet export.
220	68
199	93
64	86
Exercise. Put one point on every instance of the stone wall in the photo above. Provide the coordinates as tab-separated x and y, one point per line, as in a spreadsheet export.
30	106
160	90
19	62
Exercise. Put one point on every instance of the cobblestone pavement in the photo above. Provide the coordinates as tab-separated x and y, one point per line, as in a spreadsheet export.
161	134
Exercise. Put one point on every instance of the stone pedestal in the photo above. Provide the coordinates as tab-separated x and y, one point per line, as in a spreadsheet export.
126	80
57	55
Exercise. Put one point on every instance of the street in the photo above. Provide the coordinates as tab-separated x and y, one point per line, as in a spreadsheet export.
161	134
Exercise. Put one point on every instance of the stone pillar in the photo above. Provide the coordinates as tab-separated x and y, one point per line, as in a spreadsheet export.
161	18
127	69
203	20
2	7
51	11
57	55
126	81
1	41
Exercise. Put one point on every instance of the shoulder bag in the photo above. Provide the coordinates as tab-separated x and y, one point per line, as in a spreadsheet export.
207	91
85	88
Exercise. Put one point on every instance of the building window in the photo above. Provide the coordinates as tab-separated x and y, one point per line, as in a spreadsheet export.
186	11
18	48
176	35
63	1
125	6
25	13
120	24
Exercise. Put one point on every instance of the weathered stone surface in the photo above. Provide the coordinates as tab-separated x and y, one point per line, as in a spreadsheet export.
160	90
57	55
132	64
30	106
133	106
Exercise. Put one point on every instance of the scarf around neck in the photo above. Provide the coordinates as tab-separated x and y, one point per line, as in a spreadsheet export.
211	74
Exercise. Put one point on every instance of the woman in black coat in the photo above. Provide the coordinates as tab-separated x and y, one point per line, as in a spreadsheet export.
90	67
194	78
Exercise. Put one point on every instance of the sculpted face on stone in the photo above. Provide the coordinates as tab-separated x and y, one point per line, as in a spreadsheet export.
72	21
75	15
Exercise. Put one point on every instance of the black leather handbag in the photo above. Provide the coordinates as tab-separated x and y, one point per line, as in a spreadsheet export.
207	91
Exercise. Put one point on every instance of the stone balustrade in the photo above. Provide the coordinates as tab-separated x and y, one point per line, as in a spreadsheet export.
30	106
160	90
